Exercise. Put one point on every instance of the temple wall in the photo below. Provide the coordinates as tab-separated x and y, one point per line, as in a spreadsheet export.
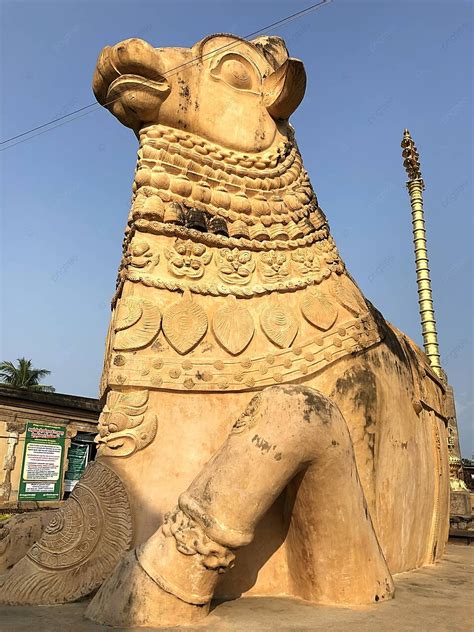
17	408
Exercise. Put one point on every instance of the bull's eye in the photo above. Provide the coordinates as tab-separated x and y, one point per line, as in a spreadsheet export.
236	71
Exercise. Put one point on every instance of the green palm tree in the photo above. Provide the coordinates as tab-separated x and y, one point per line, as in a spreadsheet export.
24	375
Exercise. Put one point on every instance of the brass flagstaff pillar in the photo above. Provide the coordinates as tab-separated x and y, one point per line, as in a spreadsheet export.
415	187
460	500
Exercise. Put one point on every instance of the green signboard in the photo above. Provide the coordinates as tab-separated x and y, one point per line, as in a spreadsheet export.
78	457
43	458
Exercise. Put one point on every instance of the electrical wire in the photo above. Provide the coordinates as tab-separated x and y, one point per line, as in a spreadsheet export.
169	73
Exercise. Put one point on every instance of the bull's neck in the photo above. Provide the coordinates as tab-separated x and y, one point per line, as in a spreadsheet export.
191	183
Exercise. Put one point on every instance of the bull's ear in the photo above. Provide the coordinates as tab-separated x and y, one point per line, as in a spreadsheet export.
284	89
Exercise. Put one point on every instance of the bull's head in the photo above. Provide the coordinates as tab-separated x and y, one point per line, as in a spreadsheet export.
236	93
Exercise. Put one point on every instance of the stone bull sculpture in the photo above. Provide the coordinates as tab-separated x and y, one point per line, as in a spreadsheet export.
260	416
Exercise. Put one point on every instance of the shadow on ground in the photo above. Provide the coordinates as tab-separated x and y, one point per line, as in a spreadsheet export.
433	599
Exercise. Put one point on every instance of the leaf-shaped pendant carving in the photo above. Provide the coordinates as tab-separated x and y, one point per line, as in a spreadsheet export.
129	312
318	308
348	298
233	326
137	323
279	324
184	324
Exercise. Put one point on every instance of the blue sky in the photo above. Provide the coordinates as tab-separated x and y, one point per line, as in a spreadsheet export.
373	68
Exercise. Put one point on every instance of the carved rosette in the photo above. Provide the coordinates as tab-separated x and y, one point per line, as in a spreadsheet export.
80	546
141	256
224	271
306	261
274	265
235	266
204	265
187	259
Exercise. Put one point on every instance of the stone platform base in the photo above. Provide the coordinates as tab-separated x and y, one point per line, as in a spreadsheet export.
436	598
462	522
460	503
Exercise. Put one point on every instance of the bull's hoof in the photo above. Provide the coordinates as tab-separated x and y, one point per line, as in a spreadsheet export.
129	597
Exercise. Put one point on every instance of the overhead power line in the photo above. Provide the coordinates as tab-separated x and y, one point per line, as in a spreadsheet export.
59	118
92	107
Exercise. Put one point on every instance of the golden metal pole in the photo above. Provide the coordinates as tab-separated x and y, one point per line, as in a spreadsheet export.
415	186
460	501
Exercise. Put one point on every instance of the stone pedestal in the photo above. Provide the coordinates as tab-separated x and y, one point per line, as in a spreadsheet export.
460	503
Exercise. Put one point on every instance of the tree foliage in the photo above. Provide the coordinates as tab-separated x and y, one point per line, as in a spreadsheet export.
24	375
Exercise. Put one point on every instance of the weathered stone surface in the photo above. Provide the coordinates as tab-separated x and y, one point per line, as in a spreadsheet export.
318	487
431	598
18	534
80	545
460	503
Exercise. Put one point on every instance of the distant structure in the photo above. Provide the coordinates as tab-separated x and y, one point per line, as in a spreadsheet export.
460	501
19	407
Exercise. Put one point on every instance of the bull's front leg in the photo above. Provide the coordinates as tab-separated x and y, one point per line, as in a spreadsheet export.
170	579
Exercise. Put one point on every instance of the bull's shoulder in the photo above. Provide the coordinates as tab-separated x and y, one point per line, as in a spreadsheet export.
429	388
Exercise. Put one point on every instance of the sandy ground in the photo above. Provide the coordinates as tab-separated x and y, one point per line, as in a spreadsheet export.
433	599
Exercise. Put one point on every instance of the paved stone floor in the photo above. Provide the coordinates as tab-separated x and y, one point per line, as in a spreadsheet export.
434	599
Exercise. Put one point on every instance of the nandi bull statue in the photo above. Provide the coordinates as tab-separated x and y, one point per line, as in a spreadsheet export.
264	430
